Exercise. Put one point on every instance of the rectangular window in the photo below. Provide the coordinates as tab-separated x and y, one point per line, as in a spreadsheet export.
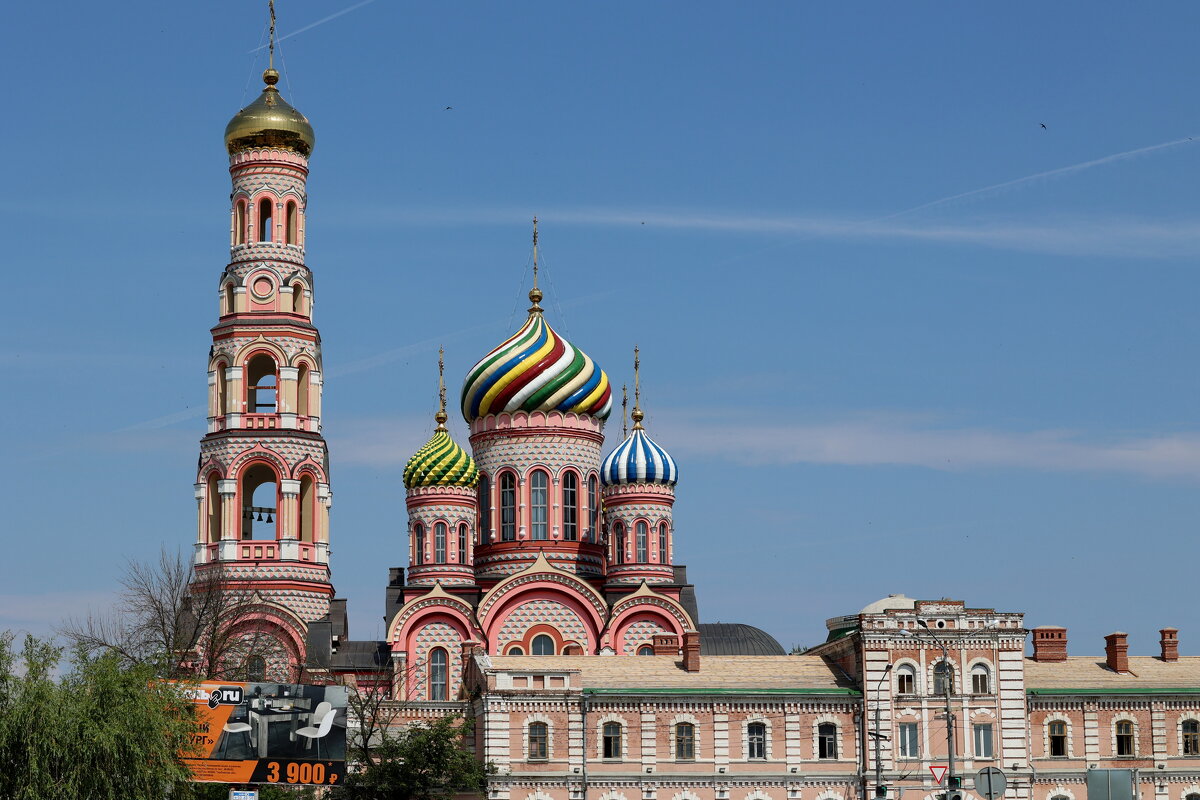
827	741
570	507
1125	738
907	741
979	682
1058	739
685	741
612	740
906	683
539	745
756	740
983	740
1191	737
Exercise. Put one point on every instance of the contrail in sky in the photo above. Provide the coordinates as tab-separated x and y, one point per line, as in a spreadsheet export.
312	25
1038	176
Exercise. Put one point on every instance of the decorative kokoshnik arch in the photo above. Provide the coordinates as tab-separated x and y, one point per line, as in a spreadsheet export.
436	602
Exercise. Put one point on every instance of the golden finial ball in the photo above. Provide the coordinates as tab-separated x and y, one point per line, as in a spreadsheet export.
270	76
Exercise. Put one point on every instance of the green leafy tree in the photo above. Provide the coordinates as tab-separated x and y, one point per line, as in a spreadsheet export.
99	729
424	762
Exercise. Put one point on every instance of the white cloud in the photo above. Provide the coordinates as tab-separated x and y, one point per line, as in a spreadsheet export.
889	441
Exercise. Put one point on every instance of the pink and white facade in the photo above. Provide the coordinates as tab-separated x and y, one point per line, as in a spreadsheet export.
262	488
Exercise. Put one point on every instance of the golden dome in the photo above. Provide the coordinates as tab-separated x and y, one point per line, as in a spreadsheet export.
270	122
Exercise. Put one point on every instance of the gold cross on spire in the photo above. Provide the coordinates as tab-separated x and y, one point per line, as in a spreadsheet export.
440	416
535	294
637	414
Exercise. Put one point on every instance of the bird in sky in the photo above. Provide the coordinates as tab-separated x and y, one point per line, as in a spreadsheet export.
451	108
1044	125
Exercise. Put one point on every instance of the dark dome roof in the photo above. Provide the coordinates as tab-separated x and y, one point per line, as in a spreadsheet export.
735	639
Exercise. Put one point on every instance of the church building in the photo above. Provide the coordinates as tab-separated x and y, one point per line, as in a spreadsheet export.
542	598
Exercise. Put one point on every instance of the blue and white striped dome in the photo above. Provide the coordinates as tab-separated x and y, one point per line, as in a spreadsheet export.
639	459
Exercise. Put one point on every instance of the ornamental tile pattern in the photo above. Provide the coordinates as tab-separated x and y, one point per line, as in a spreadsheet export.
542	612
639	633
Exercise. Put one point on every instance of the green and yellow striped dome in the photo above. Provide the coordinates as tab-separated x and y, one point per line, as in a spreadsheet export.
440	462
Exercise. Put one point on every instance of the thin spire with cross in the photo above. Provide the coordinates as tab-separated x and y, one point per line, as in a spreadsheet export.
535	294
271	51
440	416
637	414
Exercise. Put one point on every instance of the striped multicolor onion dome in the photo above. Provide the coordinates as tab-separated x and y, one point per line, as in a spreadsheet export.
440	462
536	370
639	459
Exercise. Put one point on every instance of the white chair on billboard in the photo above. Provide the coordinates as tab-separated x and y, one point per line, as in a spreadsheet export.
234	727
321	729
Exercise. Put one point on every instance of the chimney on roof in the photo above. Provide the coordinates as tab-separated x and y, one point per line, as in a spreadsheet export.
1049	643
691	651
666	644
1169	642
1116	651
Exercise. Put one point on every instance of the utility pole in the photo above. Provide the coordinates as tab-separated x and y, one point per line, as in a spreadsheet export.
878	736
952	782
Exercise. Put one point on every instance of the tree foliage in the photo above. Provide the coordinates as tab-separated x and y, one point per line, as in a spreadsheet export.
99	730
424	762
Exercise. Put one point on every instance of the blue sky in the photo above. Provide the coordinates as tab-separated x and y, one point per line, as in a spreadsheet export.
899	336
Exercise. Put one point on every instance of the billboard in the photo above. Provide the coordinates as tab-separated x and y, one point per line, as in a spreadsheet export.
284	733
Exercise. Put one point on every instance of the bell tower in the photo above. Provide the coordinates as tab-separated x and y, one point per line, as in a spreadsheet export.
262	486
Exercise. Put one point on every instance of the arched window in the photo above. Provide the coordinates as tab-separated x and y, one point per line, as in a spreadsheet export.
418	544
906	679
570	506
262	384
439	543
212	501
239	222
1189	729
265	229
643	553
302	390
437	674
256	669
515	651
297	298
539	741
1058	739
662	543
542	645
756	740
222	390
618	543
1125	741
508	507
827	740
260	497
485	509
307	507
943	678
538	504
685	741
981	679
292	237
593	508
645	650
612	741
462	543
228	305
